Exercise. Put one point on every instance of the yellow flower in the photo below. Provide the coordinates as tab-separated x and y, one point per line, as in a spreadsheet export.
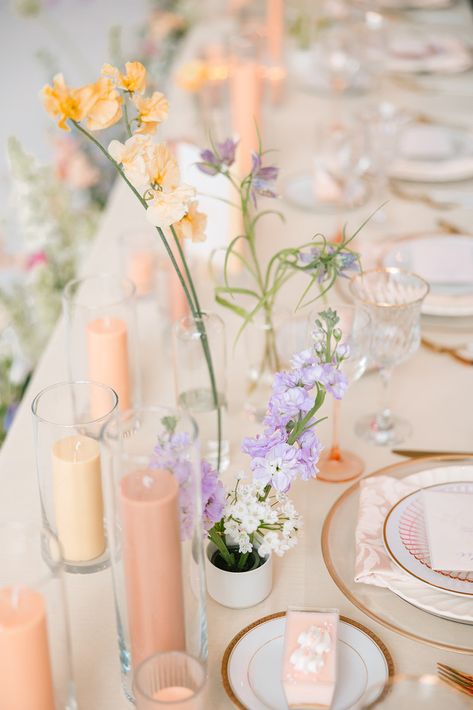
59	100
134	80
169	207
152	110
192	226
131	155
161	167
192	76
106	108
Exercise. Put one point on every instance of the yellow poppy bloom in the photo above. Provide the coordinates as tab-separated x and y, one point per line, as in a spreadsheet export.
106	108
61	101
152	110
192	76
161	167
134	79
192	226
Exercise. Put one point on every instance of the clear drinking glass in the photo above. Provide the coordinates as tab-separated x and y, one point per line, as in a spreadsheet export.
175	681
139	261
154	525
35	660
336	465
101	334
405	692
393	299
193	337
68	419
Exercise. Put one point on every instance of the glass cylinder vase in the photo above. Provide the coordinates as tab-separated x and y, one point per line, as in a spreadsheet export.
199	391
101	334
35	663
68	419
154	514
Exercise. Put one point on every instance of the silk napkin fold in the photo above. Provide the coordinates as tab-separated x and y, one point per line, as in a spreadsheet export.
372	563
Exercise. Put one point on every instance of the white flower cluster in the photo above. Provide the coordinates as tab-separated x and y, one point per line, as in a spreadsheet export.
252	516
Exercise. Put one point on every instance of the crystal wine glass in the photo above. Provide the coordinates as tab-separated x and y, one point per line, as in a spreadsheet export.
337	465
393	298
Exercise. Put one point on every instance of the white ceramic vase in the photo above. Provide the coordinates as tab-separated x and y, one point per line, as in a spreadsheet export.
238	590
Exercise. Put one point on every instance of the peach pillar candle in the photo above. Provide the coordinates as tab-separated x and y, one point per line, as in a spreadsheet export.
152	561
246	109
275	28
78	501
107	344
173	693
141	270
25	667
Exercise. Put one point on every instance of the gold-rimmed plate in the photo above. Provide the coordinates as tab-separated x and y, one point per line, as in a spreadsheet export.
413	564
252	664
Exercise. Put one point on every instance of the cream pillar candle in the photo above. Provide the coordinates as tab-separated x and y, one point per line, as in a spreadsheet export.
141	270
107	345
25	668
275	28
246	109
152	560
78	502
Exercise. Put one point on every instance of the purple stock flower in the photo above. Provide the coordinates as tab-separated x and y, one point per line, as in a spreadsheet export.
262	178
213	496
262	443
279	467
334	380
213	161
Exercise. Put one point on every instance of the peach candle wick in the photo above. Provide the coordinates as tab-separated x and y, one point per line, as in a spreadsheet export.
152	561
78	501
25	667
107	345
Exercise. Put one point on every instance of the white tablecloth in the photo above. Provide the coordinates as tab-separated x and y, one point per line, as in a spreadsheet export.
431	390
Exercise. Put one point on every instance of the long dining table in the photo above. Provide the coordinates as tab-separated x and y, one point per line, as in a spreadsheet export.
431	389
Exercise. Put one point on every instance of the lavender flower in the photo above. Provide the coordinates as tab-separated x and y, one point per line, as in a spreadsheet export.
279	467
262	178
171	453
328	262
214	162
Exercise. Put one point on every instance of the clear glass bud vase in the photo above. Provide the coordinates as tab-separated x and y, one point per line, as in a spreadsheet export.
199	393
35	662
154	514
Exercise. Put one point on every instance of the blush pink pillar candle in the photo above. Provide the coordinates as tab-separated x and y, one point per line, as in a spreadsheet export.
25	668
275	28
152	560
310	658
141	270
107	346
246	109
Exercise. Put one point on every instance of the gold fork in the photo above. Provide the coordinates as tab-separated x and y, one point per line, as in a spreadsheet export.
457	679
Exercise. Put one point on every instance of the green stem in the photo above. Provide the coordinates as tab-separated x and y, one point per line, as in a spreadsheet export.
127	122
206	347
221	547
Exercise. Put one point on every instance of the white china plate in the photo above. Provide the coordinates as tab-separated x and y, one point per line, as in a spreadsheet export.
410	564
446	262
253	668
299	191
432	54
420	159
430	599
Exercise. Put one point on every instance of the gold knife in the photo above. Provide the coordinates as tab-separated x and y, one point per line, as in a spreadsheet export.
418	453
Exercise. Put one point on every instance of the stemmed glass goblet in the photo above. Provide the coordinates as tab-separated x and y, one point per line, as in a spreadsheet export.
337	465
393	298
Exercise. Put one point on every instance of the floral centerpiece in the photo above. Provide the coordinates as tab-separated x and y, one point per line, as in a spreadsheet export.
257	516
148	168
318	259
